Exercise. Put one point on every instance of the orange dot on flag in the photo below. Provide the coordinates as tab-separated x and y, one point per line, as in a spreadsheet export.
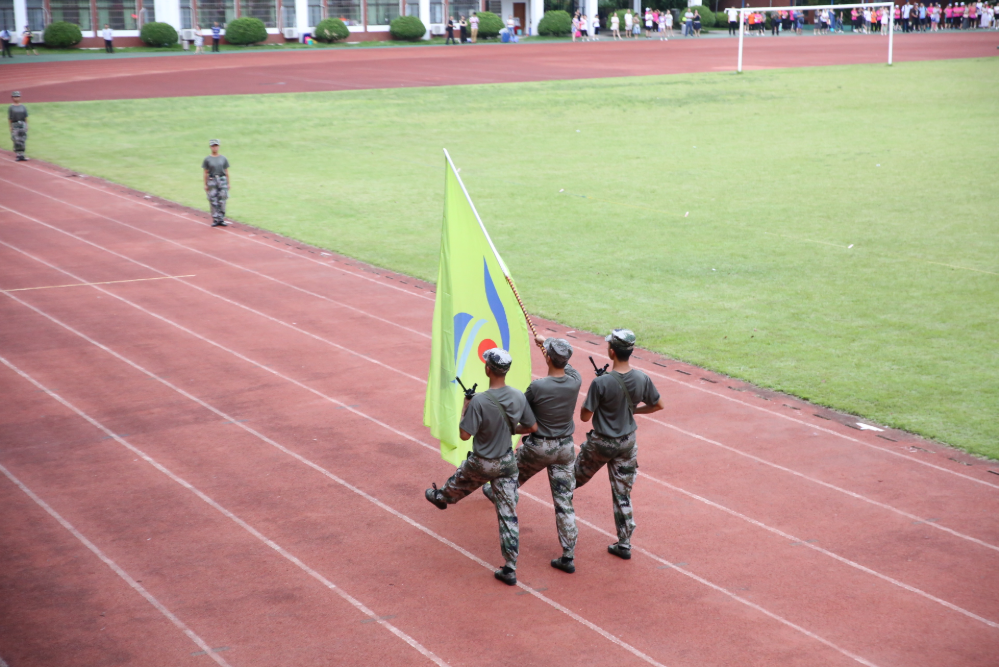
487	344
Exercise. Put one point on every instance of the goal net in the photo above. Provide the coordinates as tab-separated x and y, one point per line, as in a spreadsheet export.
751	19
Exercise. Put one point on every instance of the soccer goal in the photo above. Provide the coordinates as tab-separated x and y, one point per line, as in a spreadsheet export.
808	8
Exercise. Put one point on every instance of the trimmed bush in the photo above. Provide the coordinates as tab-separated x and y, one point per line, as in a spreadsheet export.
158	34
407	28
62	35
331	30
246	31
490	25
722	20
555	23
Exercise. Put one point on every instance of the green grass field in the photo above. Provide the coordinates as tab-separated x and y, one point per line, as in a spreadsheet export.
828	232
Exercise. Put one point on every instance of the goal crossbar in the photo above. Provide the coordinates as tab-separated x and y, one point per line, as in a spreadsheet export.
808	8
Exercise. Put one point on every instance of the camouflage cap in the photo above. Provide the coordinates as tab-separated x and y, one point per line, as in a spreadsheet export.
16	93
498	359
559	350
213	142
621	339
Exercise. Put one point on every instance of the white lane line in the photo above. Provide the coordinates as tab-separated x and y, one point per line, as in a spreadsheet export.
180	279
936	525
78	285
233	264
692	495
211	502
655	373
119	571
340	481
202	223
316	467
816	427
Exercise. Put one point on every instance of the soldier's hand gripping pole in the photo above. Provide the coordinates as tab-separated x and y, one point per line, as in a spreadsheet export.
469	393
599	371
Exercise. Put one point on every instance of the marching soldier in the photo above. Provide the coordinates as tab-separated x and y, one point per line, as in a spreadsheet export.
216	169
612	401
553	401
17	120
490	418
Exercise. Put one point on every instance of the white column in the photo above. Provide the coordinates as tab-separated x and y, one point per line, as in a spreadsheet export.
425	16
20	18
591	10
636	6
536	9
168	11
302	17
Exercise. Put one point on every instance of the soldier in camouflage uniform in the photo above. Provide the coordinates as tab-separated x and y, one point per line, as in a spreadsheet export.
217	187
553	401
17	121
490	419
613	400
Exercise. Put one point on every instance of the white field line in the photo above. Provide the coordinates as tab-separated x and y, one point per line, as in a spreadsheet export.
657	480
331	476
354	274
119	571
202	223
361	607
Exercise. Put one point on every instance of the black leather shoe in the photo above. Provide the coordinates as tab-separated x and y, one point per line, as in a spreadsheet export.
619	551
506	575
488	492
434	496
564	564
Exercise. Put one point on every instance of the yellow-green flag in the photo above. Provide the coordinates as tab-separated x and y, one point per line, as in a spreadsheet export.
475	310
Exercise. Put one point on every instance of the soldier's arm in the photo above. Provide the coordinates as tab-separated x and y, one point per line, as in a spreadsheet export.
464	434
206	179
650	408
229	184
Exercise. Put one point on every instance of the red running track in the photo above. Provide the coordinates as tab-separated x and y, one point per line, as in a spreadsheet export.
213	453
391	67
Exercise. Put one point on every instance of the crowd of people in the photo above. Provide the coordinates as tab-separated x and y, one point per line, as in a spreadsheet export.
908	17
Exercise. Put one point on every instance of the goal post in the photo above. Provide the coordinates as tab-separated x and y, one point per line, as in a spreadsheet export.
808	8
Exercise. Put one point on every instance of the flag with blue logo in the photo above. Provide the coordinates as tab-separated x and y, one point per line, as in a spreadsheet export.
475	310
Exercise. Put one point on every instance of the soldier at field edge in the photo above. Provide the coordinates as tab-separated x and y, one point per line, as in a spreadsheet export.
216	169
17	121
612	401
553	401
490	418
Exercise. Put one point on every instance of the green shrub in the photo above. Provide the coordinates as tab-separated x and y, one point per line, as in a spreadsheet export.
246	31
331	30
407	28
555	23
62	35
490	24
158	34
721	19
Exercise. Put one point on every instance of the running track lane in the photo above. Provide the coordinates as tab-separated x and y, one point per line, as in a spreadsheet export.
486	535
393	67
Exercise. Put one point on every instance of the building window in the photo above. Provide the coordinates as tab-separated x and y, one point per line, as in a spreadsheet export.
212	11
119	14
382	12
412	8
437	12
72	11
7	16
36	14
265	10
348	11
186	14
315	12
463	8
288	15
148	11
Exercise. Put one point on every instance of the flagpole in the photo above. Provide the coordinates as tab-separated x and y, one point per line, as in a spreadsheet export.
503	267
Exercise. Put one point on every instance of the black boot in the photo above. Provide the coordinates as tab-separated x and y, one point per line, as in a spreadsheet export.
434	496
619	551
564	564
506	575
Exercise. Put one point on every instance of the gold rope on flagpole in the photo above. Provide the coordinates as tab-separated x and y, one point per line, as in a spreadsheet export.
527	317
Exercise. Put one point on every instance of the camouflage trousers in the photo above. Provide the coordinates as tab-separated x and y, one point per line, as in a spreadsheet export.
620	454
19	137
556	455
218	193
501	473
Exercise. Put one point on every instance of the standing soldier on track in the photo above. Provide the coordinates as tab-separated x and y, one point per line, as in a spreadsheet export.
17	120
612	401
216	169
553	401
492	417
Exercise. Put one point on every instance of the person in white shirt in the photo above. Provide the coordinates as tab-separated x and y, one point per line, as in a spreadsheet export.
669	22
199	40
628	23
474	26
733	15
595	27
648	20
688	23
614	27
108	36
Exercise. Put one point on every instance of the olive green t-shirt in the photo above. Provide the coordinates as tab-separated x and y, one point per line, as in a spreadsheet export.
491	435
216	165
17	112
553	400
609	406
